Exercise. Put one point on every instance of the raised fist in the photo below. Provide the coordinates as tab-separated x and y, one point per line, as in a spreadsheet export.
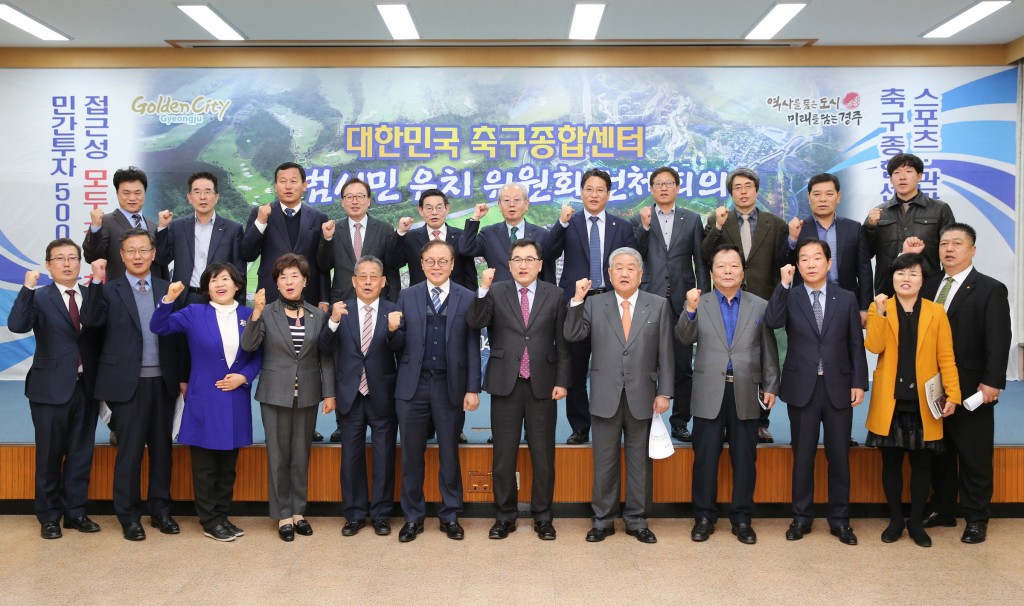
99	271
795	225
394	321
874	215
786	274
645	217
913	244
96	216
487	278
692	299
582	286
404	225
480	211
259	301
173	291
339	309
880	304
567	213
721	214
328	229
31	279
263	214
165	217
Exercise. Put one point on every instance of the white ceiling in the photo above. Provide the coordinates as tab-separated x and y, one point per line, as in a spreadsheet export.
152	23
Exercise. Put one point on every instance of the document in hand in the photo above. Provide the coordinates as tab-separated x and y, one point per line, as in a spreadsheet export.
935	395
974	401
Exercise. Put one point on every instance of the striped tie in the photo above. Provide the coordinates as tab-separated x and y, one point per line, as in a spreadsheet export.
138	221
595	254
819	319
364	344
524	307
435	298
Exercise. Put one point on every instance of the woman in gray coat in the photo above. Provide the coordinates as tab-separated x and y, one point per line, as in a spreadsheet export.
295	377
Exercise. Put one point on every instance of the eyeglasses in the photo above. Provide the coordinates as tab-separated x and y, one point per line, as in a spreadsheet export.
524	260
62	260
663	184
595	190
433	209
202	192
136	252
744	187
354	197
437	262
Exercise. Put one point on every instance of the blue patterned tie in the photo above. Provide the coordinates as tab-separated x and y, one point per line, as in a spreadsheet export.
290	212
595	254
819	317
435	298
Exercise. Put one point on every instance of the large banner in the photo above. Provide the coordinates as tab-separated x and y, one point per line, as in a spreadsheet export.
468	131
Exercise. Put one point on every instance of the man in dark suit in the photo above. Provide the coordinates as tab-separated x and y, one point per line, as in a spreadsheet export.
527	374
631	378
364	342
358	235
736	359
760	235
979	315
494	241
440	374
587	239
192	243
138	377
287	225
673	264
433	207
59	387
823	379
103	239
851	258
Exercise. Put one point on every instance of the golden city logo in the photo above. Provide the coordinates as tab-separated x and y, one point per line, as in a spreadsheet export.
175	111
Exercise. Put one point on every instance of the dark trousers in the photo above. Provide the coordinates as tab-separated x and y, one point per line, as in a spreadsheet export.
354	482
577	403
609	435
966	464
707	449
805	422
508	415
145	420
65	437
684	383
430	403
213	479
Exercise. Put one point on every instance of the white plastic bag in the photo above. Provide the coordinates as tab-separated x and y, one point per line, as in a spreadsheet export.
660	446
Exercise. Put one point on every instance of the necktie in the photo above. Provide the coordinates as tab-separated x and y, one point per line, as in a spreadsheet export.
627	321
76	320
364	345
947	284
290	212
138	221
436	233
819	317
595	254
142	287
435	298
745	234
512	238
524	306
357	240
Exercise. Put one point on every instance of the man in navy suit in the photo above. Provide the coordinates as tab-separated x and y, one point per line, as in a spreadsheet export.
851	257
138	378
192	243
362	335
673	264
823	379
59	387
440	375
433	207
494	241
587	239
286	225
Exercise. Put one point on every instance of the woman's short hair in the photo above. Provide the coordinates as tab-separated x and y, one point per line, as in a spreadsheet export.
289	260
213	270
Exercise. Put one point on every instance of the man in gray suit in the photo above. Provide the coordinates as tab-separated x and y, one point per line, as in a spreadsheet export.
631	378
736	358
673	264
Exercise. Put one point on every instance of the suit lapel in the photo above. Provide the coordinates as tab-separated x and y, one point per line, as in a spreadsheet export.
279	322
612	313
210	320
355	329
276	222
344	233
53	294
511	296
123	288
760	233
372	232
830	309
218	232
305	225
963	292
639	317
922	328
579	222
804	304
308	336
743	320
710	301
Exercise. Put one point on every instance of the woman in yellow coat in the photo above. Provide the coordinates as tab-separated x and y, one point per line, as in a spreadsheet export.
914	342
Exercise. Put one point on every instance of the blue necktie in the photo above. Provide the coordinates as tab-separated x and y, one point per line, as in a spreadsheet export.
290	212
595	254
435	298
819	318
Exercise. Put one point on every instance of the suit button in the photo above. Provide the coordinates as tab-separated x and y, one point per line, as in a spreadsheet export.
527	338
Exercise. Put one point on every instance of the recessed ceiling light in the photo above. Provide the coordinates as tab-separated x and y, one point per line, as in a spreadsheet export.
211	21
22	21
965	19
586	18
775	20
399	21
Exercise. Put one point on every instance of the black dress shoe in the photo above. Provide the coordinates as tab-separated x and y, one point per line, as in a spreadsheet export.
133	531
409	531
935	519
892	532
920	537
853	443
976	532
578	437
336	436
317	436
453	530
302	527
165	523
50	530
286	532
545	531
235	530
82	524
220	532
462	438
764	436
351	528
382	527
501	529
796	531
744	533
596	535
845	534
702	529
644	535
682	434
490	439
